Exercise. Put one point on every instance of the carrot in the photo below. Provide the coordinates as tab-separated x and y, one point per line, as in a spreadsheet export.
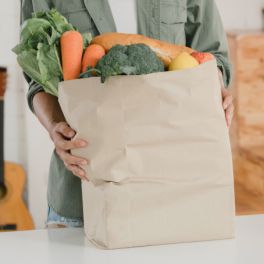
92	55
71	54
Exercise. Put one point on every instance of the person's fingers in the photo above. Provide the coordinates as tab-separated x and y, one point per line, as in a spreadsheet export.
73	160
228	105
61	143
77	171
229	114
65	130
224	91
228	101
73	163
61	136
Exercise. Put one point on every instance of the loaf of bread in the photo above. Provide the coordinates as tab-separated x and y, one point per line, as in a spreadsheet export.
164	50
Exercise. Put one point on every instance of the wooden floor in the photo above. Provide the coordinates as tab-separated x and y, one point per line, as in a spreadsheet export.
249	181
247	202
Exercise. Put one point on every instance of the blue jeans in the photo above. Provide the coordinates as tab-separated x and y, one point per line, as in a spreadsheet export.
54	219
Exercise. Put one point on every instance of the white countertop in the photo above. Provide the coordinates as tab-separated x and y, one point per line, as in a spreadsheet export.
68	246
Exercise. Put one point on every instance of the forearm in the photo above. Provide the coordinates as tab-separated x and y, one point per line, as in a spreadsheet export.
48	110
205	33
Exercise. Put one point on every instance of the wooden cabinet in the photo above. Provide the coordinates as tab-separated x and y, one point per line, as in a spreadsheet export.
247	131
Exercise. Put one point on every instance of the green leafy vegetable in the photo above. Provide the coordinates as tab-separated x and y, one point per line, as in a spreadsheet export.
87	38
135	59
38	52
30	65
56	20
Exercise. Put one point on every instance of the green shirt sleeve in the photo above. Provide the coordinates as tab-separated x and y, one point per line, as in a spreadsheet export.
26	11
205	33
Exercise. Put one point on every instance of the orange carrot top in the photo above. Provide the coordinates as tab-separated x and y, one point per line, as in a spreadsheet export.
71	54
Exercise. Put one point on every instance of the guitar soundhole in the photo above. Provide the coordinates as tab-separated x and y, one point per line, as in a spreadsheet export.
8	227
3	191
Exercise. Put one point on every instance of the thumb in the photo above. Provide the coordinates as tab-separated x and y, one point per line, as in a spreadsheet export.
224	92
66	130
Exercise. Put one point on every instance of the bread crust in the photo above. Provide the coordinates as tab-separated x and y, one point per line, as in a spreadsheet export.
164	50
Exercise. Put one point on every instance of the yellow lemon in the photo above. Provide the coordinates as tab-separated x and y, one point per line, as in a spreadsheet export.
183	61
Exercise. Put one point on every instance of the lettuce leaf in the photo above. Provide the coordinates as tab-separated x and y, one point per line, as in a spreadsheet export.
30	65
56	20
38	52
87	38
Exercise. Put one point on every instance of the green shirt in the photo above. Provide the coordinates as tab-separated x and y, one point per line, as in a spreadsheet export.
194	23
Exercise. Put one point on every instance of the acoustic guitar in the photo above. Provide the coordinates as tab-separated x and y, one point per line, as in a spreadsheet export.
13	212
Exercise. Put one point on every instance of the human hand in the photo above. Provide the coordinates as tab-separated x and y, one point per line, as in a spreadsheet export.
62	134
228	105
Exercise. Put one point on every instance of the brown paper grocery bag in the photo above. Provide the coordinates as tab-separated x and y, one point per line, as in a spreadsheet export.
160	158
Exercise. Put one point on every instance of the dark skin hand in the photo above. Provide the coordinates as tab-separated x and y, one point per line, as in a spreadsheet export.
48	111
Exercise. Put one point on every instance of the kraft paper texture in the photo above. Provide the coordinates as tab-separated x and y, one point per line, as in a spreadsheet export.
160	158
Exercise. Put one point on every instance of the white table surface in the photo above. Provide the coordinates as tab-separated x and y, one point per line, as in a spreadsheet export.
63	246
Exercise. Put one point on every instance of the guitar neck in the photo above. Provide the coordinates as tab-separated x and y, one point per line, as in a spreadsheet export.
2	90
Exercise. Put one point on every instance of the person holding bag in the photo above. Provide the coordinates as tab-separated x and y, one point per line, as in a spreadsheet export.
192	23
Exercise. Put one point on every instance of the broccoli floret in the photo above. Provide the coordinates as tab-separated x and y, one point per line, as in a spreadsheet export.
133	59
144	59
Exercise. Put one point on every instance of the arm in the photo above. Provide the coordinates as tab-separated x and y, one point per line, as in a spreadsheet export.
205	33
48	111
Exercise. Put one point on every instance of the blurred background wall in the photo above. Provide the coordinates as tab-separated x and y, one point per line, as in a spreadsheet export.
26	142
241	14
